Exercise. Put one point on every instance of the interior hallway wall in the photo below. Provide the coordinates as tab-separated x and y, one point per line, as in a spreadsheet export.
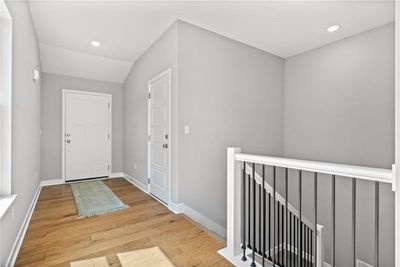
230	94
26	100
339	107
52	86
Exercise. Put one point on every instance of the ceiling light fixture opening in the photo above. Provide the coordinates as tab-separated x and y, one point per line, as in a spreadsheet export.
333	28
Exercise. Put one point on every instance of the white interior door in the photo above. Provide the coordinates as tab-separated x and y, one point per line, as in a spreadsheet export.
159	89
87	135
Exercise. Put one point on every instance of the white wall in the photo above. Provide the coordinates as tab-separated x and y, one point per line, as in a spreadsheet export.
52	85
230	94
339	107
160	56
26	100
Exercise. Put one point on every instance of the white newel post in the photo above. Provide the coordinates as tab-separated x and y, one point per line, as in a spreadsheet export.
320	249
233	202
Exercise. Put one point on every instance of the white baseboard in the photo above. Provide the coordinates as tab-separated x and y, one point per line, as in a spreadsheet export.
203	220
52	182
116	175
22	231
136	182
175	208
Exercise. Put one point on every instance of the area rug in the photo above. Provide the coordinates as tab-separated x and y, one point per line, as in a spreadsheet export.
95	198
96	262
144	257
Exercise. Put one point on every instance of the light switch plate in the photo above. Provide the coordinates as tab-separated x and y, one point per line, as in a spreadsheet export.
187	129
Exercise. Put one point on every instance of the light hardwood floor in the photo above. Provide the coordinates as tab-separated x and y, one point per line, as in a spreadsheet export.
56	236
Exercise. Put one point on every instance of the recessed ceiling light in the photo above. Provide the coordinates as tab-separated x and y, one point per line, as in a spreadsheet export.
95	43
333	28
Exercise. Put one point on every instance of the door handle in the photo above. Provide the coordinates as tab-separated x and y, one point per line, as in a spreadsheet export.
68	141
165	145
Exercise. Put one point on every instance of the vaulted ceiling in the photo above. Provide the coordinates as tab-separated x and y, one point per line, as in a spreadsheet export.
127	28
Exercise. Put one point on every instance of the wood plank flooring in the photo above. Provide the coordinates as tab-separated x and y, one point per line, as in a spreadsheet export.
56	236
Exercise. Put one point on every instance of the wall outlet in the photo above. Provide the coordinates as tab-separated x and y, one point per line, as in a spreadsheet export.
135	166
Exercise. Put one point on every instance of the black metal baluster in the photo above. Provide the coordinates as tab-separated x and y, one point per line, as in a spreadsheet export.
259	220
282	235
264	211
244	212
297	241
333	219
300	219
290	240
249	210
286	214
269	227
353	204
274	201
253	264
278	232
315	214
376	224
312	251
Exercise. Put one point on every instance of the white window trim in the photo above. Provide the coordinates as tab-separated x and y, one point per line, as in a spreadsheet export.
6	199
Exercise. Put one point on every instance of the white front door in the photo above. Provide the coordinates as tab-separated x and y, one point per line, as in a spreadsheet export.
159	89
87	135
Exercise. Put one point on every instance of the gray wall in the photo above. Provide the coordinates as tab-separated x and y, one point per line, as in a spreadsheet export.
231	95
339	107
26	98
160	56
52	86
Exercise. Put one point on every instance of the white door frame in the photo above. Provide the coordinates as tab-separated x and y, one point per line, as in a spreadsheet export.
165	72
64	94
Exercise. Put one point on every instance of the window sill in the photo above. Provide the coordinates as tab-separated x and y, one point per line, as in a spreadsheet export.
5	203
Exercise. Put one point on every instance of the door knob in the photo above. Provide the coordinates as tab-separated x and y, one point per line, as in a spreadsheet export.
68	141
165	145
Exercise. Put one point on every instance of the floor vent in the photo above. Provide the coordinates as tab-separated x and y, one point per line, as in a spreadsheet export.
363	264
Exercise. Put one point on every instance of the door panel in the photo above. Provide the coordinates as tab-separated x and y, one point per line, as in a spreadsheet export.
87	141
159	131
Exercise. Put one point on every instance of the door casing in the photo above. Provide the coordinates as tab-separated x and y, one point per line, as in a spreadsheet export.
63	157
170	135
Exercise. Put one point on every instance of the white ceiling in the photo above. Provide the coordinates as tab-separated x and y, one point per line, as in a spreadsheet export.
127	28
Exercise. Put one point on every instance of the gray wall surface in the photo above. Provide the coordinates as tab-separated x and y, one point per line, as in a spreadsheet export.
26	98
160	56
52	85
339	107
230	94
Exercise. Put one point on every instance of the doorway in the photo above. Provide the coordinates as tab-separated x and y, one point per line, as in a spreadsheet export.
86	135
159	136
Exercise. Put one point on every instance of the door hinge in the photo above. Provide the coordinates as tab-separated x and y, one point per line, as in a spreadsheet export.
109	105
148	138
108	136
149	95
148	180
108	167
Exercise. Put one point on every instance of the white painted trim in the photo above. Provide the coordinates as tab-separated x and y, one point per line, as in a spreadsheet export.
396	168
203	220
359	172
170	132
136	183
22	231
64	93
175	208
6	203
52	182
6	99
116	175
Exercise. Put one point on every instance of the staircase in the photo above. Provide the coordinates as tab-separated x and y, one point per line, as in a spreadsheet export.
264	229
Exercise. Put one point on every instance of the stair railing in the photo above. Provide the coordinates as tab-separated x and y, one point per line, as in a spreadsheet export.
263	234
